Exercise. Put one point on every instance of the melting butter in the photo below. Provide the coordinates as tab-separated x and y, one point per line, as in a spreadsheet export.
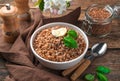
59	32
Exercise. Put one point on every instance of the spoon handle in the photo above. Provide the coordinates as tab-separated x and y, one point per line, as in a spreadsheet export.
69	70
80	69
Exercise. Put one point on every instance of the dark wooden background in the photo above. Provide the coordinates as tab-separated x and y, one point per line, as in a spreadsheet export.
112	57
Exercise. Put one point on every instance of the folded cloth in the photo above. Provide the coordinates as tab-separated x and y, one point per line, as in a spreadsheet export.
70	18
20	62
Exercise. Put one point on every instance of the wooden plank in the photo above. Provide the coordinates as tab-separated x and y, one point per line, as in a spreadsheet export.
85	3
5	1
112	60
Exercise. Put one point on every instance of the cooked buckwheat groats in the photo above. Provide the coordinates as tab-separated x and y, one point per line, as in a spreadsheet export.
52	48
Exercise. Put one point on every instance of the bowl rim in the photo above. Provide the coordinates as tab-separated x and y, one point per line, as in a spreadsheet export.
58	23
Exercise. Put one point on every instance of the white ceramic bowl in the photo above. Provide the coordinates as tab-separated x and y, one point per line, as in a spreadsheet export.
59	65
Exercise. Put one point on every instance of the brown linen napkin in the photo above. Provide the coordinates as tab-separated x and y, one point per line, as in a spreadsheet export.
20	61
70	18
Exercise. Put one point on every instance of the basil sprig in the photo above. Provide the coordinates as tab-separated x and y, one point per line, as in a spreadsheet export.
68	4
69	40
72	33
103	69
89	77
101	77
101	72
40	3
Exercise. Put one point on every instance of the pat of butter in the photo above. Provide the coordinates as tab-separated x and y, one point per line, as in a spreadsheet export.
59	32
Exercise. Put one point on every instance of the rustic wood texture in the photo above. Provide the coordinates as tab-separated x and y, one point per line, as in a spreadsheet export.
111	59
113	39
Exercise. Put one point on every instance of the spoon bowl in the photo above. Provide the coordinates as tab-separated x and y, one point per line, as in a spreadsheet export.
99	49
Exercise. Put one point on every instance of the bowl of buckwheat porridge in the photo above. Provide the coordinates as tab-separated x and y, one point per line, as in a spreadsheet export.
59	45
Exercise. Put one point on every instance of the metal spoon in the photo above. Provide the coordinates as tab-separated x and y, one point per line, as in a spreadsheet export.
97	50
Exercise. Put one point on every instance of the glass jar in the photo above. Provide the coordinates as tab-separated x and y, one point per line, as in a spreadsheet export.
116	9
98	20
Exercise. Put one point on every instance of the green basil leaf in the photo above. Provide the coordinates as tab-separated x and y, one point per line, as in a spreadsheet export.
101	77
89	77
70	42
68	4
103	69
41	5
72	33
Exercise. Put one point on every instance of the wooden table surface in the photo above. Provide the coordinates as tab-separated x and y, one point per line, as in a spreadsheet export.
111	59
